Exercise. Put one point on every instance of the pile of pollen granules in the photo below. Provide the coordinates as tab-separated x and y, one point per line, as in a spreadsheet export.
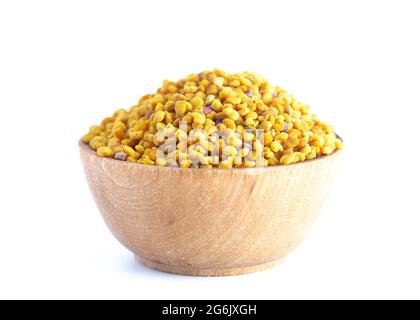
214	120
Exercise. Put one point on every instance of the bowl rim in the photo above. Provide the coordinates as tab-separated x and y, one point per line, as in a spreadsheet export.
86	148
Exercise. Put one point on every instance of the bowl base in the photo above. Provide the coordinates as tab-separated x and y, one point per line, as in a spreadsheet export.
219	272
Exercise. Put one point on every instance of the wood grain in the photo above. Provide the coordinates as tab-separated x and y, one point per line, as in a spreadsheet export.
208	222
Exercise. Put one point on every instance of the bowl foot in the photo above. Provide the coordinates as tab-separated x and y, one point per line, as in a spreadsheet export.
217	272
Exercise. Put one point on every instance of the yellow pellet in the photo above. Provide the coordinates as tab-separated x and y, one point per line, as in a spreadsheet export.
276	146
186	163
229	123
235	83
118	149
216	105
135	135
140	149
88	137
130	152
172	89
147	161
98	142
180	108
268	154
219	81
212	89
160	115
210	98
231	114
299	156
141	125
268	138
287	159
225	164
249	164
199	117
301	125
244	152
312	154
291	142
306	150
105	152
161	162
131	159
190	89
197	102
225	93
113	142
252	115
338	144
261	163
229	151
327	150
233	100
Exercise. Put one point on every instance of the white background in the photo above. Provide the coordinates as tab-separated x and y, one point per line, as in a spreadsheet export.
65	65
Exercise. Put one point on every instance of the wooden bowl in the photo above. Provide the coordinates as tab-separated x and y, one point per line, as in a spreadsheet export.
208	222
